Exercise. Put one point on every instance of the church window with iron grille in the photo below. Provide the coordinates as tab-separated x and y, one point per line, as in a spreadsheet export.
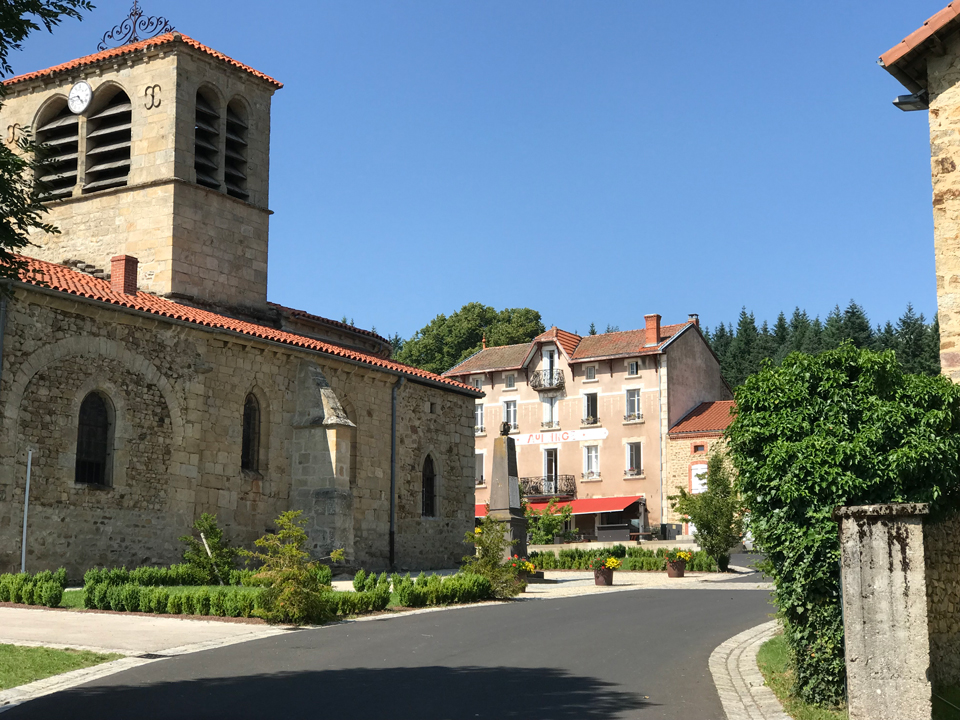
94	441
250	450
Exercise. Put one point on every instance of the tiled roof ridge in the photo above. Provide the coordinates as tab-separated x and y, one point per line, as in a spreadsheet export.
337	323
932	25
704	412
164	39
483	350
64	279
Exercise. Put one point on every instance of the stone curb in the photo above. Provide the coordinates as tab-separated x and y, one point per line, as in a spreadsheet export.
46	686
742	690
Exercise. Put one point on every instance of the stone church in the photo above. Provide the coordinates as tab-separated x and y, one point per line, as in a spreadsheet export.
146	376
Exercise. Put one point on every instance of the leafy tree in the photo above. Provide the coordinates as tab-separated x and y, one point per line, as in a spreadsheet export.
715	512
446	341
294	593
20	197
491	544
845	427
218	565
546	524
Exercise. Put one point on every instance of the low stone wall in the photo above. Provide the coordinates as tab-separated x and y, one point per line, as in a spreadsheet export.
941	547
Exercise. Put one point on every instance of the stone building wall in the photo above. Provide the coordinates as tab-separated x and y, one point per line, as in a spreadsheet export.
178	392
941	549
943	73
681	457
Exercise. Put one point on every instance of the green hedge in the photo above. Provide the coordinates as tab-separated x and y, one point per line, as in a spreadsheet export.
175	575
634	558
42	588
222	601
429	590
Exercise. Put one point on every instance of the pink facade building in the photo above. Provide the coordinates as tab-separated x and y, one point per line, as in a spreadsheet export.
591	416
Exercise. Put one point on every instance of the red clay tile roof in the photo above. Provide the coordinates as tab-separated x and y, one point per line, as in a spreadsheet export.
915	39
589	347
164	39
566	340
336	323
629	342
708	417
504	357
63	279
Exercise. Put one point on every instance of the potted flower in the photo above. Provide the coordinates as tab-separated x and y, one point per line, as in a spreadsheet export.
522	567
603	568
677	562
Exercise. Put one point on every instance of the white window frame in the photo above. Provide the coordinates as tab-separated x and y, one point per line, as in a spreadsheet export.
631	364
478	417
509	381
638	470
481	455
586	373
588	473
637	412
477	382
551	411
584	416
698	478
507	405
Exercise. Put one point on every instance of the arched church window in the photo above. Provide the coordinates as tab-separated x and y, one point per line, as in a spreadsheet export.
94	441
59	133
429	500
108	144
235	171
250	448
207	142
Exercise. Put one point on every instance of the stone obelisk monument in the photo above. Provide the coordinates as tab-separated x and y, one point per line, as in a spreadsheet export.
505	492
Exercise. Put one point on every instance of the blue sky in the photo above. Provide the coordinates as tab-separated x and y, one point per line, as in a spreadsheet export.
593	160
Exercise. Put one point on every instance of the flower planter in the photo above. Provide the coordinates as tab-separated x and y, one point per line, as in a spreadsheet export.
603	576
675	569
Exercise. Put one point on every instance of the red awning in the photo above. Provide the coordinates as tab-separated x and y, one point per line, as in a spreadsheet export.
588	506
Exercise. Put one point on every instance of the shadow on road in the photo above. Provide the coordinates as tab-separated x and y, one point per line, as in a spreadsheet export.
427	693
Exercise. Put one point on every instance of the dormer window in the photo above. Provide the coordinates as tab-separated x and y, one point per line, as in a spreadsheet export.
60	135
235	170
108	144
206	142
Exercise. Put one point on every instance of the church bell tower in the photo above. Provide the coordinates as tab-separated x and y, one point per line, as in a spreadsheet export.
159	149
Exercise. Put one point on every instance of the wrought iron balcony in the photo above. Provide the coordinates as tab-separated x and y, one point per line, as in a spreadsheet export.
549	486
633	417
550	424
547	380
590	421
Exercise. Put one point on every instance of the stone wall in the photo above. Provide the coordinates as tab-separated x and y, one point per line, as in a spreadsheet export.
681	457
943	73
178	392
941	550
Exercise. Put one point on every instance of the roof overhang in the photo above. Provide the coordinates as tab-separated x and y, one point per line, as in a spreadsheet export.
906	60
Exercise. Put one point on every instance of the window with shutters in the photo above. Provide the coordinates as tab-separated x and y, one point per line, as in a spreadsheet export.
94	441
250	447
108	144
429	490
235	167
206	141
59	134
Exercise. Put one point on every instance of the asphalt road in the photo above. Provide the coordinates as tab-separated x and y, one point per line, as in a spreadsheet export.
640	654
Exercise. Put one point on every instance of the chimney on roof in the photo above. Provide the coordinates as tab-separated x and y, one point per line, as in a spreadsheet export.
123	274
694	318
653	329
484	341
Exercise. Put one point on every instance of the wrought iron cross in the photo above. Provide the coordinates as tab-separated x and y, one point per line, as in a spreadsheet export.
134	28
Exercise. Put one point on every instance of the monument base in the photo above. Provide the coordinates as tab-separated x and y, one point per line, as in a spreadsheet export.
516	530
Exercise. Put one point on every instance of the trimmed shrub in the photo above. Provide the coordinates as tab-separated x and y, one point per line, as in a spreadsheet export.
175	604
324	575
437	590
359	580
51	593
26	592
218	602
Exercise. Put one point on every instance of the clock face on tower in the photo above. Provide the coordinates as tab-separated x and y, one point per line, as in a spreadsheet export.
80	96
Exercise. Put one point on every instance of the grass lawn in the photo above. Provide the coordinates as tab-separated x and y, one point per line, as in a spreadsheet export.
21	665
72	599
774	662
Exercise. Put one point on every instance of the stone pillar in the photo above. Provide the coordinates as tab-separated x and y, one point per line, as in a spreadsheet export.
505	493
885	611
322	442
